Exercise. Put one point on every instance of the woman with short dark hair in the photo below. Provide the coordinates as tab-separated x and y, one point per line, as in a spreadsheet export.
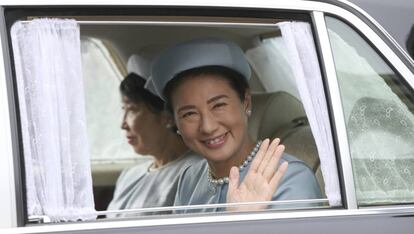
149	130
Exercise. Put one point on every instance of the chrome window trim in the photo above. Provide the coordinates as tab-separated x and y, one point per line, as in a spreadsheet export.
223	205
338	114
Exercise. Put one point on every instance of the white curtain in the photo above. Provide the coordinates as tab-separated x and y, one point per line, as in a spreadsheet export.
52	114
270	62
299	42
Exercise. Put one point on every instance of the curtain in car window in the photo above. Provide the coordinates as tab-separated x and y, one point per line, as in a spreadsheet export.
270	62
300	46
52	113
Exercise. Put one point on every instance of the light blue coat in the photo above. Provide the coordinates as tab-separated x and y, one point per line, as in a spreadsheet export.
299	182
137	187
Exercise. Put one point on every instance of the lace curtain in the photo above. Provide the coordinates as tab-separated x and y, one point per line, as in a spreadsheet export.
304	63
382	148
380	126
270	62
51	101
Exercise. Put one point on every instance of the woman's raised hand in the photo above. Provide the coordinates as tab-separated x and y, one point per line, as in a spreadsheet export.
262	179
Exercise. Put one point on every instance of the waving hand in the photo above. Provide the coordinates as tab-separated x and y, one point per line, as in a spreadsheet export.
262	179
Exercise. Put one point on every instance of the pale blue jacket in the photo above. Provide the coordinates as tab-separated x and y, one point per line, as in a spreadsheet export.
298	183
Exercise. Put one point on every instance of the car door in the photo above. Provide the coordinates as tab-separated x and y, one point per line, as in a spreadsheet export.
361	72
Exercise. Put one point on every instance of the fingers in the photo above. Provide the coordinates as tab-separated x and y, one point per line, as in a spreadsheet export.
273	163
268	156
259	156
277	177
234	178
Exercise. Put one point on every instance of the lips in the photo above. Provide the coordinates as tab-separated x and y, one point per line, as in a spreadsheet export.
131	140
216	142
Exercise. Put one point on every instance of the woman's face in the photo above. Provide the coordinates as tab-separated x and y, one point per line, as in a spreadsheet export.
211	117
144	128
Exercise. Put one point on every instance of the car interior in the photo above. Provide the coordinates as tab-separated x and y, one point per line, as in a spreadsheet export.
274	113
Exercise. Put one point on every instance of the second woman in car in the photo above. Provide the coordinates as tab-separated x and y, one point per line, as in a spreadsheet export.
149	130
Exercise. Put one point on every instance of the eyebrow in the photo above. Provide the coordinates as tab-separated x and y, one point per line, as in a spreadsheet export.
215	98
187	107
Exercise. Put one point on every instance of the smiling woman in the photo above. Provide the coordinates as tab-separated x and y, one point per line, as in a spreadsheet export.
224	107
204	83
320	76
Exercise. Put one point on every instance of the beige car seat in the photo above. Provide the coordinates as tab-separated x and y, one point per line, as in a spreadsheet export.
281	115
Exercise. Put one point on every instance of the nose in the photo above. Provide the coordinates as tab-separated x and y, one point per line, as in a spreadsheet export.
124	124
208	124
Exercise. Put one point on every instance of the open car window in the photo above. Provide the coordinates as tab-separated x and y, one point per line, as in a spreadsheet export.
287	95
273	85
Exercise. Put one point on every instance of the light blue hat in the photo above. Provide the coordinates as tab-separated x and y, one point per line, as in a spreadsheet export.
194	54
140	65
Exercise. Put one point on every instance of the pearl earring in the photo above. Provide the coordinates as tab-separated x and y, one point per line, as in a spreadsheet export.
248	112
178	132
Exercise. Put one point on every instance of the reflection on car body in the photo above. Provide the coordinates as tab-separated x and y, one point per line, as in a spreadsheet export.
384	12
325	80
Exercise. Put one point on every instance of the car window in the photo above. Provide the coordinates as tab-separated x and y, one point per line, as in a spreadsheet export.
273	86
280	109
378	108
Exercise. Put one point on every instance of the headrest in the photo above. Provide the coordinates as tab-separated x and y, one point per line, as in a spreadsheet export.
272	113
198	53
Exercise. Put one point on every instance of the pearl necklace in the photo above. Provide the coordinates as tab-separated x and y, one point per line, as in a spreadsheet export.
225	180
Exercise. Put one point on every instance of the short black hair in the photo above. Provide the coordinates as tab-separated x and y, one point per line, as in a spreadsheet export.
132	87
236	80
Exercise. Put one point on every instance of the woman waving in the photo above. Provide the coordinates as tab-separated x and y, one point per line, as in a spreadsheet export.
205	85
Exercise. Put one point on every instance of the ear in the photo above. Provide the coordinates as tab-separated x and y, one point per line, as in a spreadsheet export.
247	100
167	119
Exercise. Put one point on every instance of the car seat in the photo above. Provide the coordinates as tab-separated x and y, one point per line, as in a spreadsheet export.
281	115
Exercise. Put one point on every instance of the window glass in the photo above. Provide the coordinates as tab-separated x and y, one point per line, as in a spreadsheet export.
378	109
